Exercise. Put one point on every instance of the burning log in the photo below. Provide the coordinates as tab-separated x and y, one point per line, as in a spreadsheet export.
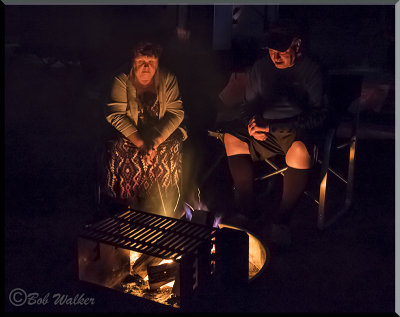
141	264
194	257
162	274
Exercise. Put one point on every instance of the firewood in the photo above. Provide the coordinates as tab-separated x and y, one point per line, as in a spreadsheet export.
140	265
162	274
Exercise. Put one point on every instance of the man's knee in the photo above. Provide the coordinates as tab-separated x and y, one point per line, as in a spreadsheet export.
234	146
298	156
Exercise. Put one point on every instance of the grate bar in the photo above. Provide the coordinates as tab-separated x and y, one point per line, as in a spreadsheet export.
148	233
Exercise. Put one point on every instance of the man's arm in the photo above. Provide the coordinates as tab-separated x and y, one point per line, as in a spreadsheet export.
315	112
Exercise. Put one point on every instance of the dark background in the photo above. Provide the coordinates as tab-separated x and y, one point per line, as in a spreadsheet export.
58	64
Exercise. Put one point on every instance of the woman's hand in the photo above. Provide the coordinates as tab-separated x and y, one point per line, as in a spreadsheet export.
147	149
150	151
256	131
149	155
136	139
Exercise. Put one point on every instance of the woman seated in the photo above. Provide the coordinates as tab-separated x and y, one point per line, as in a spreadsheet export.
144	161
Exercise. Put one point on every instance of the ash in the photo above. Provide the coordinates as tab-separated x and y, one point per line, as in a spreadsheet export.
253	270
137	286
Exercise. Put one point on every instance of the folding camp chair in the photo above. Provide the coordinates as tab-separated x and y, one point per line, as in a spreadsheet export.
343	89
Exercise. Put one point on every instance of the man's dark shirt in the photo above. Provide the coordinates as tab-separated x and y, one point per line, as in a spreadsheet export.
287	98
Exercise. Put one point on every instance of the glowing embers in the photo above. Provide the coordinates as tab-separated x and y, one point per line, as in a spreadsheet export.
212	255
151	256
153	278
166	260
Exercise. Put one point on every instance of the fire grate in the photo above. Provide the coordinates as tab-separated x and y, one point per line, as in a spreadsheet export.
169	261
162	259
155	235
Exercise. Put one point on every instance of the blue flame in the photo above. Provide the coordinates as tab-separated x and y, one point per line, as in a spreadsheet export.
217	221
188	211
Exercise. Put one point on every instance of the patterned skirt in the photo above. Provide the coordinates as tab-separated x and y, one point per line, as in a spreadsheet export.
128	176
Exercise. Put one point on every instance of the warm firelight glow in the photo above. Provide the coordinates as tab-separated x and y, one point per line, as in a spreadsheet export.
195	204
258	254
135	255
213	245
201	206
170	284
217	221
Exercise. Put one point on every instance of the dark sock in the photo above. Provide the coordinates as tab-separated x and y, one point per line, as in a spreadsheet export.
241	167
294	183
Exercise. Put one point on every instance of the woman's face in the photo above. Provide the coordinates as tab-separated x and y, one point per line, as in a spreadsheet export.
145	67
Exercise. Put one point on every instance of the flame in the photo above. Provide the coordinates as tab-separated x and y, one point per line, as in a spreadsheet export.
195	204
188	211
201	206
134	256
213	245
166	261
170	284
217	221
198	194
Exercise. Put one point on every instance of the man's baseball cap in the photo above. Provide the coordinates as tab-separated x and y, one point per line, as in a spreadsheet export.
280	35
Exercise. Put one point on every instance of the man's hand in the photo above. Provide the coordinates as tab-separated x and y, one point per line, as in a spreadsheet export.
256	131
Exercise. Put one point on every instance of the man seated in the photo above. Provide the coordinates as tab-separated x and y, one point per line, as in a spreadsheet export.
284	105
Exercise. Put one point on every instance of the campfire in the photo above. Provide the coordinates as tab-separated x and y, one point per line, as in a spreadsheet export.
166	260
152	278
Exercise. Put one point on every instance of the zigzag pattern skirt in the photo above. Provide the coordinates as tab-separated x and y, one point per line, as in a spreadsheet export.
128	174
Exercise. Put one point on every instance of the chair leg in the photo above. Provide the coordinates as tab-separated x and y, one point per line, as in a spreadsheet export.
350	175
279	171
324	179
322	224
321	205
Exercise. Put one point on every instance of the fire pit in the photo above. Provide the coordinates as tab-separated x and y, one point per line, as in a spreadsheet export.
258	255
166	260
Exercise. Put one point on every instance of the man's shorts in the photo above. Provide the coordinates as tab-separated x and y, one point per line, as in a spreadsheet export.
278	142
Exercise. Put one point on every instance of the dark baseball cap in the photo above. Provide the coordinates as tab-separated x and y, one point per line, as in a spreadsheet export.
280	35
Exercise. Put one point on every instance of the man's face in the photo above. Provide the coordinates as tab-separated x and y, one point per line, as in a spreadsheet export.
145	67
285	59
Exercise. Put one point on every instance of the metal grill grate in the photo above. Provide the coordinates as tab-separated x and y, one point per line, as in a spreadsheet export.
152	234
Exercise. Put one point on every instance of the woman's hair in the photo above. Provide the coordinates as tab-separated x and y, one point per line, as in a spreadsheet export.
147	49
